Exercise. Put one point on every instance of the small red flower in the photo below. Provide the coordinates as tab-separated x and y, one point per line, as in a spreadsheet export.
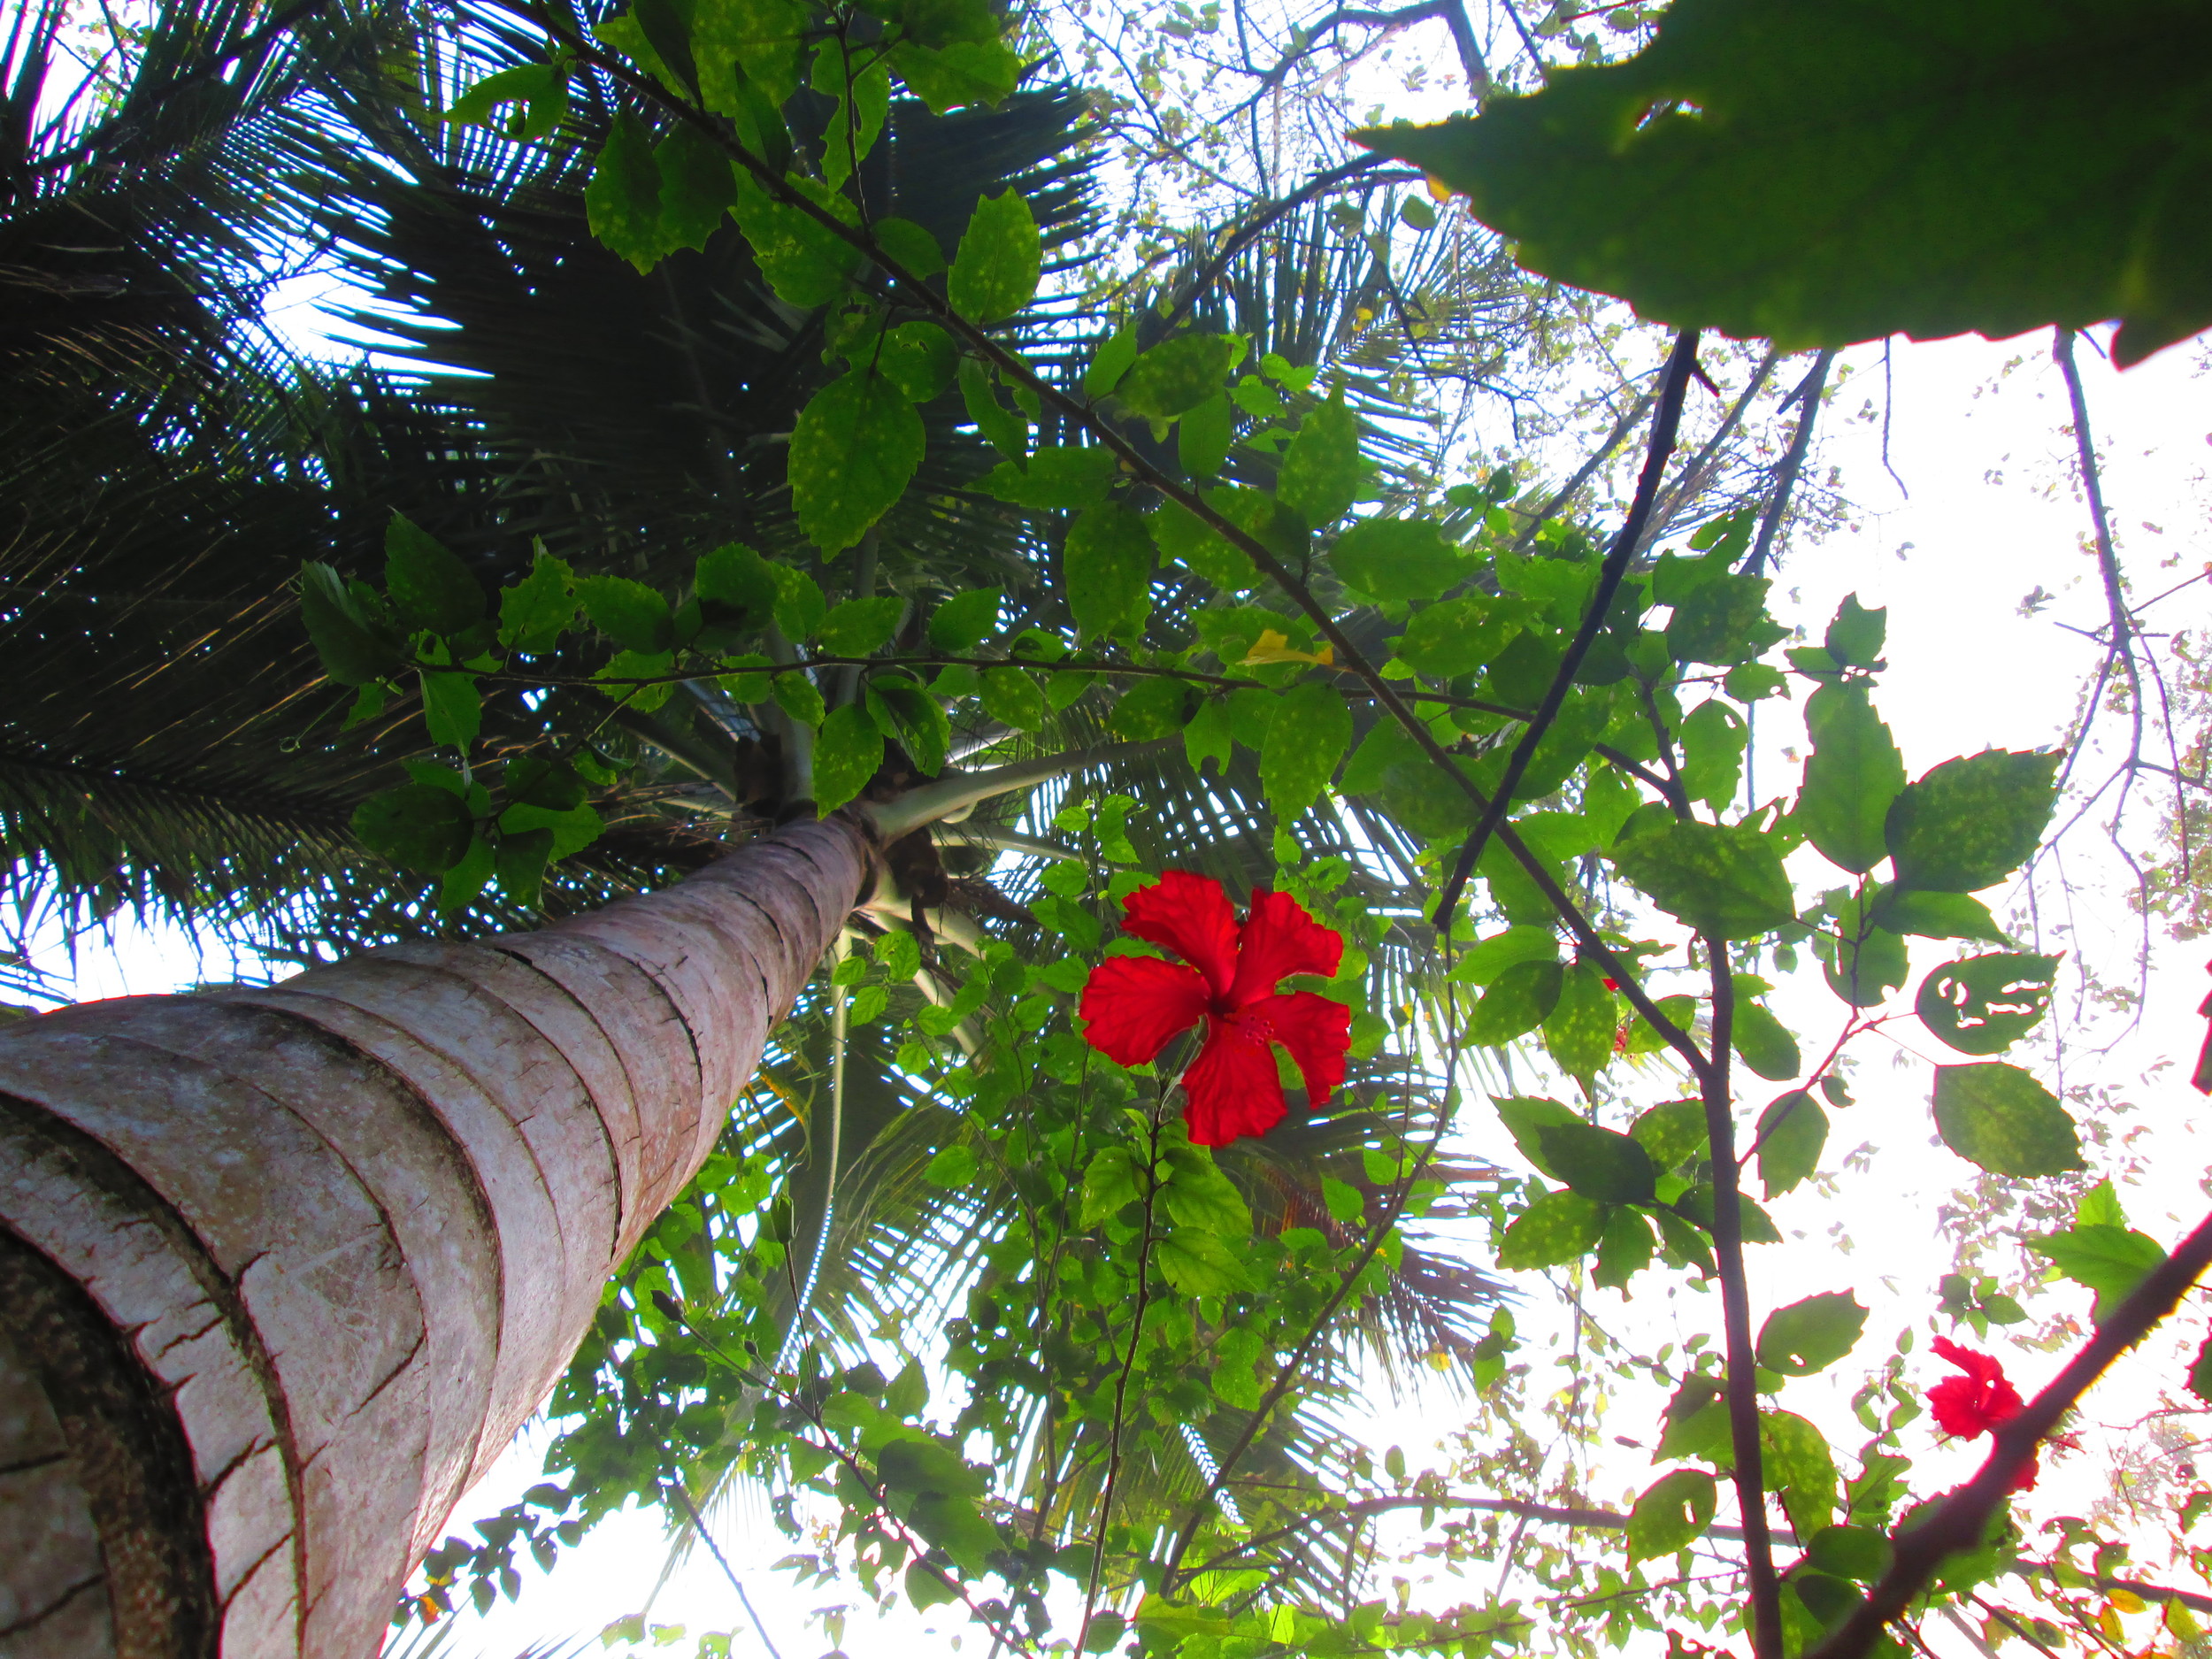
1135	1004
1977	1402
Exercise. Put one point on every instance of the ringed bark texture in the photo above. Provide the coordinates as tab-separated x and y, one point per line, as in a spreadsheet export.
301	1260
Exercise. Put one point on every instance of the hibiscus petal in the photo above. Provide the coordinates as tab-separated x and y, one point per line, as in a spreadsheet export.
1317	1031
1232	1090
1135	1004
1981	1367
1191	917
1280	938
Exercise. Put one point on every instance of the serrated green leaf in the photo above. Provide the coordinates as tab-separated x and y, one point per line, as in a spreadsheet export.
1398	559
1673	1132
1800	1468
855	448
1459	636
1578	1031
965	619
429	587
1935	915
2110	1260
1010	695
847	749
1311	729
1322	468
1998	1116
1177	376
954	76
803	261
1519	1000
535	612
1598	1163
352	653
1791	1134
416	826
1198	1194
1106	568
1840	180
1558	1228
856	627
1149	709
1723	881
635	617
1056	476
1199	1264
955	1166
1673	1511
1984	1004
996	272
1971	822
452	708
622	200
1203	437
919	359
1853	776
1811	1334
1002	428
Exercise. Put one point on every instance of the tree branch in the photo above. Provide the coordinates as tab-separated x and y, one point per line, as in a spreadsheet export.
1809	392
934	802
1964	1517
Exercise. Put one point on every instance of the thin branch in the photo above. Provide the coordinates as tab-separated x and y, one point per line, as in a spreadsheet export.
1965	1516
699	1525
1808	394
1664	426
1262	217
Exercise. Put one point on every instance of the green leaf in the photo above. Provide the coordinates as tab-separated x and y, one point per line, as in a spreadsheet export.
1763	1042
1792	1132
541	89
1106	570
1599	1163
1198	1194
1558	1228
1458	636
856	446
635	617
1971	822
800	606
1518	1000
451	707
696	187
951	77
1626	1249
1494	956
1695	1424
1011	695
416	826
1311	729
1854	638
1984	1004
797	697
1712	741
519	863
1204	436
1840	179
1852	777
864	101
622	202
1673	1511
2110	1260
351	652
428	585
1723	622
2200	1378
955	1166
572	827
909	244
1112	361
1199	1264
1673	1132
1002	428
1863	964
996	272
803	261
1398	559
1858	1553
1108	1184
1723	881
857	627
919	359
848	751
965	620
1935	915
1998	1116
1151	708
1800	1468
1056	476
915	716
1177	376
1322	470
535	612
1526	1118
1578	1031
1811	1335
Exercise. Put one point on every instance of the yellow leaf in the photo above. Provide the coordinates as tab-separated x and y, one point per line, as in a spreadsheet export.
2126	1600
1274	647
1437	190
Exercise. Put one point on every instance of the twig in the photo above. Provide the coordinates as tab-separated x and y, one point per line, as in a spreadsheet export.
1808	393
1964	1516
1663	428
699	1525
1262	217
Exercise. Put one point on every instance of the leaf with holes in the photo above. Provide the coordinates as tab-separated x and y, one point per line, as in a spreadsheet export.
1984	1004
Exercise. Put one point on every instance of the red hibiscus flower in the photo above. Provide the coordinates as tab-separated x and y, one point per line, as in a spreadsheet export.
1135	1004
1979	1402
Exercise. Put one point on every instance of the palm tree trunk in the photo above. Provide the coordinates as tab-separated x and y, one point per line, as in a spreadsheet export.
285	1269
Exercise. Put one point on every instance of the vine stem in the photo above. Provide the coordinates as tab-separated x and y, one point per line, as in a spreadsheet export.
1964	1516
1097	1575
1735	1296
1664	426
1080	413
